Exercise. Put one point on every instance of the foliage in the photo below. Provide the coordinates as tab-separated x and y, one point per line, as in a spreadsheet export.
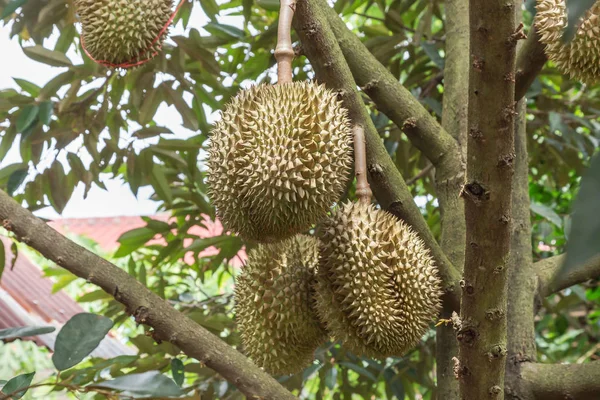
89	125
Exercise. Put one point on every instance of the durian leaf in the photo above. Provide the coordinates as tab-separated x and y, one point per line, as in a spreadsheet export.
546	212
29	87
12	7
147	384
584	237
25	331
18	382
50	57
78	338
177	370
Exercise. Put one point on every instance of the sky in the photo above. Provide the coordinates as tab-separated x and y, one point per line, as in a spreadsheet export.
117	200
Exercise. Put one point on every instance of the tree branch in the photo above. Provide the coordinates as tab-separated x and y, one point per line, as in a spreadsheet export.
147	308
562	381
391	98
548	281
320	46
454	121
530	60
487	194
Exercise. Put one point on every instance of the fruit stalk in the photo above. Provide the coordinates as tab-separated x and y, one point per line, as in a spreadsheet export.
284	53
363	189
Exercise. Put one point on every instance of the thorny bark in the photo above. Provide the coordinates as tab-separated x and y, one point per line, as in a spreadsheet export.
487	194
146	307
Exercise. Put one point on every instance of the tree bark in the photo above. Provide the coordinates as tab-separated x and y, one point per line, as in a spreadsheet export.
320	46
548	267
454	121
147	308
562	381
487	194
522	279
530	60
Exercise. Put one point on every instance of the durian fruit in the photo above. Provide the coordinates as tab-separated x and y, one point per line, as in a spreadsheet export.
274	303
579	58
122	31
279	159
377	286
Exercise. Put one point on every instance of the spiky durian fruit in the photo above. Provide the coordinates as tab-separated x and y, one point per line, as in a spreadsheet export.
274	302
579	58
278	159
377	287
120	31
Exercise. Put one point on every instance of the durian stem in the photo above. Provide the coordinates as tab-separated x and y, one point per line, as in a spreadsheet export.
363	189
284	53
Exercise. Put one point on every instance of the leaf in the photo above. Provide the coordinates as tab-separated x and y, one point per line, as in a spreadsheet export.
224	31
546	212
273	5
584	238
331	378
148	384
29	87
12	7
94	296
432	52
133	240
360	370
160	184
152	131
78	338
16	383
50	57
575	10
27	117
177	369
25	331
46	110
60	191
15	180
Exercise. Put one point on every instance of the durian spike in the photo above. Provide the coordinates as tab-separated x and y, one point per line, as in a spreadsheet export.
363	189
284	53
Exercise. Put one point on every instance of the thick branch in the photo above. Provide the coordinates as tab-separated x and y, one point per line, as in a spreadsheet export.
562	381
550	283
454	121
487	194
522	282
530	60
391	98
320	46
147	308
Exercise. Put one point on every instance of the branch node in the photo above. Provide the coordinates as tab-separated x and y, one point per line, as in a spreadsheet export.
475	192
494	314
375	169
506	160
497	351
460	371
141	315
478	64
476	134
6	224
372	84
467	288
409	123
495	391
518	34
467	335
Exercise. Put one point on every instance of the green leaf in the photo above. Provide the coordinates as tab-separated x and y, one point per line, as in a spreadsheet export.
147	384
224	31
546	212
210	7
78	338
29	87
25	331
152	131
94	296
12	7
584	238
15	180
133	240
7	141
177	369
273	5
17	383
46	110
160	184
575	10
360	370
27	117
50	57
60	190
433	53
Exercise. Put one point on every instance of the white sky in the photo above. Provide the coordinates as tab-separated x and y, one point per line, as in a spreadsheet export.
118	199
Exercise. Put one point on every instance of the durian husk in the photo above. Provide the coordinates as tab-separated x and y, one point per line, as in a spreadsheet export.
122	31
279	158
579	58
274	305
377	288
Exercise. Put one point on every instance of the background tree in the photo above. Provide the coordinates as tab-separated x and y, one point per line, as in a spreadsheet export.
440	156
